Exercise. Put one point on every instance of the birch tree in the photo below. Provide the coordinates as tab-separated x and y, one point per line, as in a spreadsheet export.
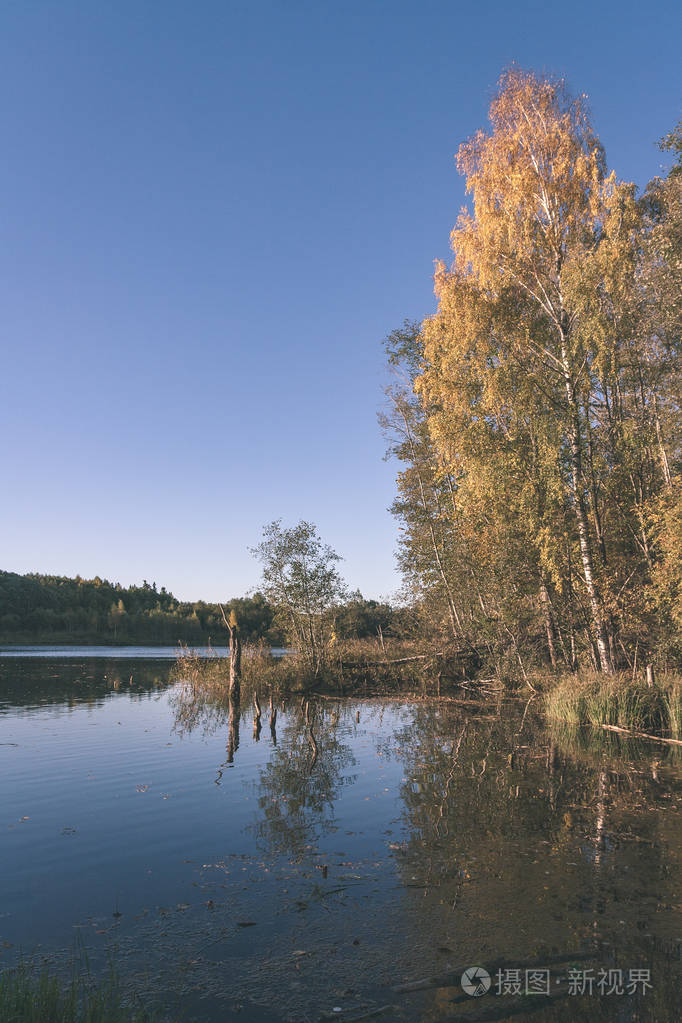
301	581
508	360
538	423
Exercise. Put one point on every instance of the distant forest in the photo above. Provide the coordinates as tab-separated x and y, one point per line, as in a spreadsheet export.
56	609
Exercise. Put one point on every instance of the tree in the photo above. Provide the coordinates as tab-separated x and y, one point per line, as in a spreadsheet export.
300	580
662	282
116	614
361	619
535	370
427	538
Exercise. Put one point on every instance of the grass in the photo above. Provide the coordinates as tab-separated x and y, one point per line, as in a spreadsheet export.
31	996
672	695
350	666
622	701
261	672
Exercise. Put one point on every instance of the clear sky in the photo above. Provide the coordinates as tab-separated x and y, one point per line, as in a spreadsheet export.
212	214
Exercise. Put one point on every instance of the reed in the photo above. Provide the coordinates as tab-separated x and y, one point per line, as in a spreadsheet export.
260	672
621	701
349	666
672	697
31	996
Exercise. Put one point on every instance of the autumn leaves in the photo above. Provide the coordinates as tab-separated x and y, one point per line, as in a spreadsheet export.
546	393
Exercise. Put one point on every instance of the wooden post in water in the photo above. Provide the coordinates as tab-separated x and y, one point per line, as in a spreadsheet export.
235	653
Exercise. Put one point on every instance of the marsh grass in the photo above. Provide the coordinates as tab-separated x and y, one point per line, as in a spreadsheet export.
261	672
349	667
672	697
28	995
621	701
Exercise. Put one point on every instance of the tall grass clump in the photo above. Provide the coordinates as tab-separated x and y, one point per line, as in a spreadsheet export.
672	698
564	703
261	672
349	666
621	701
29	996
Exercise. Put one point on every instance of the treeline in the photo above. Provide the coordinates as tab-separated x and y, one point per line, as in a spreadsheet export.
537	412
44	608
57	609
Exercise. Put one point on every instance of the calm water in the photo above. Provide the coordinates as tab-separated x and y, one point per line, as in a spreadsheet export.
323	862
136	653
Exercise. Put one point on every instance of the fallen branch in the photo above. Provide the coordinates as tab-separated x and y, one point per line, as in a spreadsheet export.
366	1014
642	735
376	664
526	1005
449	979
369	1015
452	977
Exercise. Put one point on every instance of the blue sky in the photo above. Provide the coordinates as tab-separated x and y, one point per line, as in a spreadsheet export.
212	214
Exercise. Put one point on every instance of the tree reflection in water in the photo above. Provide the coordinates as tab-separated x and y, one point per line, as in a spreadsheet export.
306	769
522	843
302	780
195	709
512	843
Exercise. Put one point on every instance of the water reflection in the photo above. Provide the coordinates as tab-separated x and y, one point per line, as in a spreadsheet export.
344	849
536	849
514	843
298	787
31	683
309	762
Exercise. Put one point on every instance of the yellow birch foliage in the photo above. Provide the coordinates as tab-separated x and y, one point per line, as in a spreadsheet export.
534	364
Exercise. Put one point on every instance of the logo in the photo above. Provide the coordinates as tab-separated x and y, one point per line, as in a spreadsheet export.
475	981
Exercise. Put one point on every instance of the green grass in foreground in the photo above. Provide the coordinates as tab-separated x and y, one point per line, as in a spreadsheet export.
620	701
29	996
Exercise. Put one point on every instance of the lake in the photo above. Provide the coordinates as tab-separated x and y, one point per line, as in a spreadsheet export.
313	867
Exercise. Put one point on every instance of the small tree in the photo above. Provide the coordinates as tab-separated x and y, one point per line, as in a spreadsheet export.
301	582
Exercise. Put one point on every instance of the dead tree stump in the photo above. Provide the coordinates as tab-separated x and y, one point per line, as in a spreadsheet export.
235	653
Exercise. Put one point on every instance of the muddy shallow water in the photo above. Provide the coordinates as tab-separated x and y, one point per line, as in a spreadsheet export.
311	869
